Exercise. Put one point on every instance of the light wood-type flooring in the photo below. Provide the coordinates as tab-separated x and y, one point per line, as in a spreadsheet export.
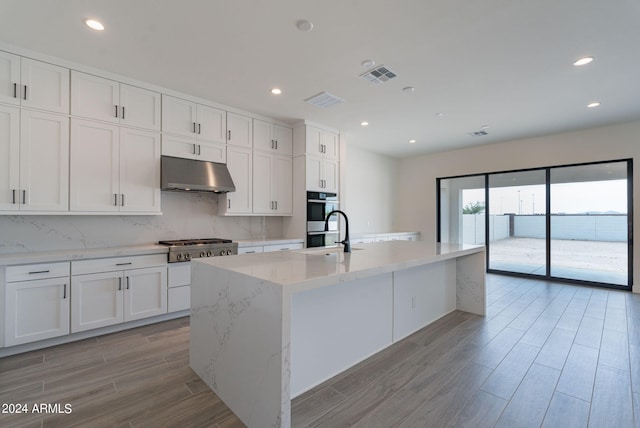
546	355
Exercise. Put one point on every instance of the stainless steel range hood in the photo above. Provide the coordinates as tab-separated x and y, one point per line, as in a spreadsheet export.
194	175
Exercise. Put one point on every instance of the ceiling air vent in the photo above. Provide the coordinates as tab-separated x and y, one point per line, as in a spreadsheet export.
481	133
324	100
379	75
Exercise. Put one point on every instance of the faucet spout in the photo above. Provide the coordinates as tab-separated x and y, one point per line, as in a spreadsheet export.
345	242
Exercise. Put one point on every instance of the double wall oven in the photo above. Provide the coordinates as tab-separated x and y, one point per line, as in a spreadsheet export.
319	204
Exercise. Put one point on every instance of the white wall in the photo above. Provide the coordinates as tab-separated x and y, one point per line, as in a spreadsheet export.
417	204
369	191
185	216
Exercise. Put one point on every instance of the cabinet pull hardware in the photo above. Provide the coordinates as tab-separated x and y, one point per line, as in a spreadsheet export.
127	283
199	128
272	144
15	90
25	92
276	205
123	112
229	135
115	199
228	203
38	271
13	191
64	292
320	148
119	283
250	252
122	199
194	127
116	107
199	149
24	197
124	264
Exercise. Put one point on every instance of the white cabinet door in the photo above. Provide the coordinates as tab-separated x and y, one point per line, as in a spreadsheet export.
282	183
262	138
283	137
44	161
240	164
178	116
272	138
330	174
212	152
313	142
95	175
94	97
212	124
10	88
179	147
139	170
97	300
9	157
139	107
44	86
145	293
239	130
330	145
262	178
314	174
36	310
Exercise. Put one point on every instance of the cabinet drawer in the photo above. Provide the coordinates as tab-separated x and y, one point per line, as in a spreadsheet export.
283	247
179	274
250	250
179	298
37	271
117	263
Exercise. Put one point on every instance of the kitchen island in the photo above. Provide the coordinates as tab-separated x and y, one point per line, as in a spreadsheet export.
267	327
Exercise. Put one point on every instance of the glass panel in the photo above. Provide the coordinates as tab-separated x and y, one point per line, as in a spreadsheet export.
462	203
589	223
517	222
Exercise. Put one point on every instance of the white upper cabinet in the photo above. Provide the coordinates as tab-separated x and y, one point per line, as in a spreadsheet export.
9	158
322	143
272	138
103	99
188	119
322	174
239	130
33	84
272	183
34	160
114	169
240	164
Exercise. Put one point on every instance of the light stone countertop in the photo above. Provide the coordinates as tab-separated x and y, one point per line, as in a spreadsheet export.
300	270
381	234
79	254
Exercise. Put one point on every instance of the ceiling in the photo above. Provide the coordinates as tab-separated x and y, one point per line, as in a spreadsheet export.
498	63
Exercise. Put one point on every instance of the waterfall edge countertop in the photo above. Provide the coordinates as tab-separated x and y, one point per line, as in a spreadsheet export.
306	269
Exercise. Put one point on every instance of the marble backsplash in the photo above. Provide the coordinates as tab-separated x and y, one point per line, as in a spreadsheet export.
185	216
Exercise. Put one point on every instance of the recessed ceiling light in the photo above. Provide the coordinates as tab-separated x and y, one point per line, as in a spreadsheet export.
367	63
594	104
408	89
304	25
484	127
412	141
364	123
96	25
439	115
583	61
276	91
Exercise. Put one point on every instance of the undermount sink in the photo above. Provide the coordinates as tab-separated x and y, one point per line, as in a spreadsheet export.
325	251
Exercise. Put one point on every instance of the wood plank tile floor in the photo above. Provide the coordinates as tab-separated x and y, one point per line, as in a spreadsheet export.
546	355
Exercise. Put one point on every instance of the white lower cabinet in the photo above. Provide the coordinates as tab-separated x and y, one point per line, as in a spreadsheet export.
105	298
179	292
36	308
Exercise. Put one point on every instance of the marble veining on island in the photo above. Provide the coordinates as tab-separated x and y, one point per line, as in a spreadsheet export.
268	327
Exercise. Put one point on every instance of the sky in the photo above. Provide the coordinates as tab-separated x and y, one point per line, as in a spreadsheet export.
568	198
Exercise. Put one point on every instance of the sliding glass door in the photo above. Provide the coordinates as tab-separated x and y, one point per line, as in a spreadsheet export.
589	223
517	231
563	222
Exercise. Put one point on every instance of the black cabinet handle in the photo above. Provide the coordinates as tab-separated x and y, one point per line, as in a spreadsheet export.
123	112
127	283
194	127
14	195
116	107
124	264
25	92
119	283
228	134
38	271
64	292
199	128
15	90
